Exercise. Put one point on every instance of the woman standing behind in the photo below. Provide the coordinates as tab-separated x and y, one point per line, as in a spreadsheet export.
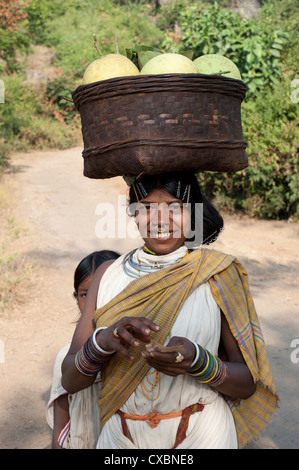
205	382
75	418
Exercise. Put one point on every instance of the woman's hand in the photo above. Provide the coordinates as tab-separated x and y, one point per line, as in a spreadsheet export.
128	331
167	362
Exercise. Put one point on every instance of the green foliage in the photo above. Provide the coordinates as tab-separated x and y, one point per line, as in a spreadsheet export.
269	187
39	15
72	33
139	55
284	15
29	121
12	34
255	49
32	118
10	43
58	93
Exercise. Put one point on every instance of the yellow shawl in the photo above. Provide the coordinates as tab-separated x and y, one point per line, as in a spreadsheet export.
159	297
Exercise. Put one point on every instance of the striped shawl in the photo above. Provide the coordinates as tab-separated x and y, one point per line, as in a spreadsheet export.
159	297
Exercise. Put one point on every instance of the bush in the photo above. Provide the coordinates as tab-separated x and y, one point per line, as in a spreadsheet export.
72	33
254	48
12	36
28	121
283	15
58	92
39	15
269	187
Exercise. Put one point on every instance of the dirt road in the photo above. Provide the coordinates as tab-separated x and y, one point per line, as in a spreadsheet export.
56	208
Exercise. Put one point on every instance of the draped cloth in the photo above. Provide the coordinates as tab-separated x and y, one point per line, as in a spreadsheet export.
83	427
159	297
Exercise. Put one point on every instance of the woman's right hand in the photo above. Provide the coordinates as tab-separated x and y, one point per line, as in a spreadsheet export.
126	332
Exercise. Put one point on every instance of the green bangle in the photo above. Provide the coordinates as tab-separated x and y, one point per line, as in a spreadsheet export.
208	369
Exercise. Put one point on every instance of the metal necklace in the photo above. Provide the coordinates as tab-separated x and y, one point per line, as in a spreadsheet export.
134	269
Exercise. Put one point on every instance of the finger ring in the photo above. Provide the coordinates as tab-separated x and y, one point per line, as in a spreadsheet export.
115	333
179	357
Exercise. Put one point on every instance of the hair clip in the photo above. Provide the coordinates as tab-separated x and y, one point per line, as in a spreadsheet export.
178	190
189	190
185	192
134	187
142	189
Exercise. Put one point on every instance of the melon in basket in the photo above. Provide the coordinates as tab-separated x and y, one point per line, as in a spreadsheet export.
169	63
109	66
211	64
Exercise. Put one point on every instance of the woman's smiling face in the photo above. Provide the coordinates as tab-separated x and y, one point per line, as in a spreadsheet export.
163	221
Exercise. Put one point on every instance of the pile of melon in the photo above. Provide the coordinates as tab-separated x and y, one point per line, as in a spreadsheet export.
118	65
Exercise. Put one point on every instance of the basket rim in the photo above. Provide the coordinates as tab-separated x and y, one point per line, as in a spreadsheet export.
156	83
156	77
160	75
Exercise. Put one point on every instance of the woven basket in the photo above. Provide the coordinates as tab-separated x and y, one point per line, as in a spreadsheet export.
152	124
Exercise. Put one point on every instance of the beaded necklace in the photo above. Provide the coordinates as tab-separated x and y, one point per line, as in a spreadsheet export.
147	250
152	385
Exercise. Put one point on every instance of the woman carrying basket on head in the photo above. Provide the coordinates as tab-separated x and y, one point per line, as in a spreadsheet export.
174	333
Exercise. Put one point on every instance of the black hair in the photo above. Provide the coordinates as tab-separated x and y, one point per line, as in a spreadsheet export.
89	265
182	185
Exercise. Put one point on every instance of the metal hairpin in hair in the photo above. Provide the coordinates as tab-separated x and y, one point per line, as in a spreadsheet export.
178	192
187	189
142	189
135	191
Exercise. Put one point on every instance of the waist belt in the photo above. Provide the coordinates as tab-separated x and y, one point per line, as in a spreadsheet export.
153	419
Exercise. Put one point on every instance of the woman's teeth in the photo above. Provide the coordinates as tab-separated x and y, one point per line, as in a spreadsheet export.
161	235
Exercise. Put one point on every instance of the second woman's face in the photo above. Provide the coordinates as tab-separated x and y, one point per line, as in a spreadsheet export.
82	292
163	221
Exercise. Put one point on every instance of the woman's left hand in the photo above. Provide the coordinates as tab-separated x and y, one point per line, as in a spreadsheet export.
172	363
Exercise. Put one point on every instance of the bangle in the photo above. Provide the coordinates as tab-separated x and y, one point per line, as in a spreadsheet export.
208	368
90	359
196	354
95	343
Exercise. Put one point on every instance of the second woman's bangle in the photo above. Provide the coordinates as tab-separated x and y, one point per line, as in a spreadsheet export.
90	359
96	343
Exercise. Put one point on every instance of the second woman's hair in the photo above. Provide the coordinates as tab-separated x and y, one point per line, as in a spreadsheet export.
89	265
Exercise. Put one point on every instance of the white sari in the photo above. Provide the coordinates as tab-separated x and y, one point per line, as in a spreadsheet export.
199	320
83	428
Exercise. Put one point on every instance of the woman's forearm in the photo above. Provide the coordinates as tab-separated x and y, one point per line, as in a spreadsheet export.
231	378
80	370
61	418
72	380
238	383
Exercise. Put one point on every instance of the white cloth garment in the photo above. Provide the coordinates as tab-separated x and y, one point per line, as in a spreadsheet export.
83	428
199	320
